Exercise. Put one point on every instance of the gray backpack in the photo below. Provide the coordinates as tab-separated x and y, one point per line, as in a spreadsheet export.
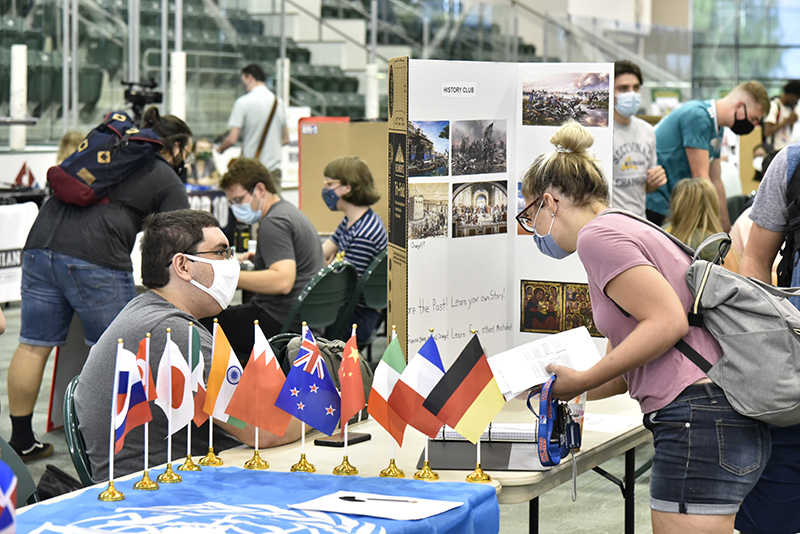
757	328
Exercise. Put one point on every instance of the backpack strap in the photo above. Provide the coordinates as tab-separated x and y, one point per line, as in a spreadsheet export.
792	241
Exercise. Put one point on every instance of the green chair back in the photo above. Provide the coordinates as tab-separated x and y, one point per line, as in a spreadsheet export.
75	443
26	487
321	301
372	285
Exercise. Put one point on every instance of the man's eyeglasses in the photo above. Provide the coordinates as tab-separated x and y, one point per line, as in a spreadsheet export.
223	254
524	220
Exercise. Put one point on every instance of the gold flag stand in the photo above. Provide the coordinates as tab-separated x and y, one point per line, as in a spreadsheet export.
426	473
210	459
189	465
169	476
393	471
303	466
111	494
146	483
478	475
345	468
256	462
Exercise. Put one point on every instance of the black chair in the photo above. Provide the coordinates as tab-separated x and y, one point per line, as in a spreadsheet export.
75	443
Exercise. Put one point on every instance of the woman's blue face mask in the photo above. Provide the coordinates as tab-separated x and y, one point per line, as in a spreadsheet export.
546	244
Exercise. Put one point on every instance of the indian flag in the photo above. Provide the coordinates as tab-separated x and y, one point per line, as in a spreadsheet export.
226	371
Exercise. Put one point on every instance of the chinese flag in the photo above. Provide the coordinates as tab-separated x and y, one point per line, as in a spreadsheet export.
350	381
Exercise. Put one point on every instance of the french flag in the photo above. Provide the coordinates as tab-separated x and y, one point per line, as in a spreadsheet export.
132	408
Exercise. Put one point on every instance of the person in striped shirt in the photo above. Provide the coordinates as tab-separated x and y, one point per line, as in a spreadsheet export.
361	235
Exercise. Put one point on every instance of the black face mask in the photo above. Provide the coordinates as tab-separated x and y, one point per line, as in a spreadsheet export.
742	126
180	170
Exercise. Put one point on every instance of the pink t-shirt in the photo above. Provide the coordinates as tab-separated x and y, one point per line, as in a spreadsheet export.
612	244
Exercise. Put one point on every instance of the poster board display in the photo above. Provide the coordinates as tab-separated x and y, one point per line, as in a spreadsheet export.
323	140
461	136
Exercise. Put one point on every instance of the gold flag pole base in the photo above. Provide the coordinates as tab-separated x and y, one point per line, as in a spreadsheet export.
147	483
256	462
345	468
393	471
169	476
303	466
426	473
478	475
189	465
111	494
210	459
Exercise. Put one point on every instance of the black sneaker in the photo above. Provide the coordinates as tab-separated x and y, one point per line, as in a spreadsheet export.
34	452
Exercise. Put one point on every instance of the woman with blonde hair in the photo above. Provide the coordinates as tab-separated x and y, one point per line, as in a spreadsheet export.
694	208
707	456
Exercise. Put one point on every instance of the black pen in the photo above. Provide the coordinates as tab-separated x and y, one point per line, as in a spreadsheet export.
353	498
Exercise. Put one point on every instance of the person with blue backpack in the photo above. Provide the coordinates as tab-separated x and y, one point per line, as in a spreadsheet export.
707	455
773	507
77	255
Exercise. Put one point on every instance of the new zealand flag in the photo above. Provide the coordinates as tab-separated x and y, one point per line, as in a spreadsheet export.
309	393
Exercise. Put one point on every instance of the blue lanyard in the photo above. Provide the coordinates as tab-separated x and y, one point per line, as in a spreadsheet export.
550	453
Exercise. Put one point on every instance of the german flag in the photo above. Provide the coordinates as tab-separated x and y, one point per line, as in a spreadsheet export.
467	397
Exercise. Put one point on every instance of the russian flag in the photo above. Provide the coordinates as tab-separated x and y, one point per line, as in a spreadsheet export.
132	407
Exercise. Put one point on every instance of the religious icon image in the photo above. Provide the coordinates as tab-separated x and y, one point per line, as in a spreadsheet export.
578	308
427	210
552	99
479	147
428	148
541	307
480	208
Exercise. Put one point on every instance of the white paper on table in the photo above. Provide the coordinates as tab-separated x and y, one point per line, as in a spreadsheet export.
522	367
400	507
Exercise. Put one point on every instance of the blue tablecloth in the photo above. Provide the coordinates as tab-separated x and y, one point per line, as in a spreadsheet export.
232	499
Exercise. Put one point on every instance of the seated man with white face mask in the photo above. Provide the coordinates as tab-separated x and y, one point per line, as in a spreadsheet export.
287	256
636	171
191	273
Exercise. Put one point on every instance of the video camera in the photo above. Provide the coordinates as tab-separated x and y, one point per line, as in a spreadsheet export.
139	97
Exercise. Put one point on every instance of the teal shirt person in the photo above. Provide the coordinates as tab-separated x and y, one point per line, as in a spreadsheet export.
693	125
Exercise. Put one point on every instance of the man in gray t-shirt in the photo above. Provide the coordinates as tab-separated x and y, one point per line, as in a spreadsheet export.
179	253
636	171
288	255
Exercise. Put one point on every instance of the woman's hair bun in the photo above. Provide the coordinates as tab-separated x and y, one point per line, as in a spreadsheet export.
572	137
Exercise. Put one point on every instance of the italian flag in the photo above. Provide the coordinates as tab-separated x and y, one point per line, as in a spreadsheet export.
386	376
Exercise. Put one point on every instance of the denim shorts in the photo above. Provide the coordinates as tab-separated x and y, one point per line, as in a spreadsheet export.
54	286
707	456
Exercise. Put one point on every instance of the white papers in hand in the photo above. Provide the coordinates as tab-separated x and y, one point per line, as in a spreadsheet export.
376	505
522	368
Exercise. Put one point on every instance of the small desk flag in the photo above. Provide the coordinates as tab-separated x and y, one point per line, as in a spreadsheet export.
417	380
467	398
174	387
254	399
309	393
226	371
132	407
350	381
143	360
386	376
198	369
8	499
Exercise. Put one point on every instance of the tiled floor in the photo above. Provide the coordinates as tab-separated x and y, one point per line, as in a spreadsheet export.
598	509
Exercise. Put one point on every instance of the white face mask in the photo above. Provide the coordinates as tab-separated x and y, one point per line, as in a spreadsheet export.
758	163
226	278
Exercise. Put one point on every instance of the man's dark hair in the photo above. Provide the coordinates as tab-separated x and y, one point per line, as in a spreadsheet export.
248	172
169	233
792	87
255	70
627	67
